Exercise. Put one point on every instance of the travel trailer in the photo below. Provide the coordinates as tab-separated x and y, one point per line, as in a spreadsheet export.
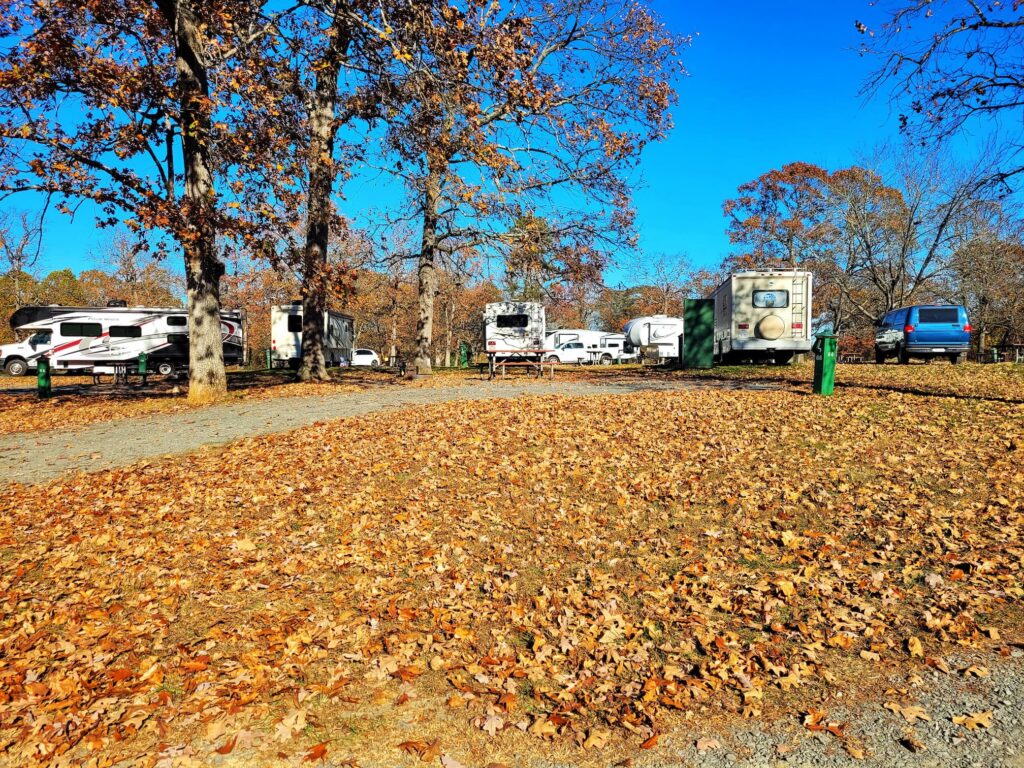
763	316
661	331
98	338
514	328
286	336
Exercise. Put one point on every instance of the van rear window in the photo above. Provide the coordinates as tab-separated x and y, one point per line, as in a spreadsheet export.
948	315
513	321
294	323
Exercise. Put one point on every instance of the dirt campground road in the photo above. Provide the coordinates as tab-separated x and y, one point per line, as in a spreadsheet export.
40	456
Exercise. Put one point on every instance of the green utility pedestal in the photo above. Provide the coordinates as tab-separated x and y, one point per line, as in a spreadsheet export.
43	377
463	354
825	348
698	333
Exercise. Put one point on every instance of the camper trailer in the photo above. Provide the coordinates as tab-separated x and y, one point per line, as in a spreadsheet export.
514	327
661	332
763	316
286	336
99	338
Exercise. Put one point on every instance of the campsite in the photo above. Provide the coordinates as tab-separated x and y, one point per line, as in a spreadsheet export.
511	384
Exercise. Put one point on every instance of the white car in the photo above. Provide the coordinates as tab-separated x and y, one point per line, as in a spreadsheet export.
569	352
365	357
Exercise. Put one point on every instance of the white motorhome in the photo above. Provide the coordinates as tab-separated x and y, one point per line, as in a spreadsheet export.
286	336
514	328
99	338
763	315
661	331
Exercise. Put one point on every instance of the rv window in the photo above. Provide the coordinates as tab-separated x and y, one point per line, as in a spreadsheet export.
513	321
80	330
771	299
125	332
38	339
943	315
177	320
294	323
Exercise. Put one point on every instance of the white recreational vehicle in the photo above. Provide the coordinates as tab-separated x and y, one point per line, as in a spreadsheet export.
98	338
661	331
512	327
585	346
286	336
763	315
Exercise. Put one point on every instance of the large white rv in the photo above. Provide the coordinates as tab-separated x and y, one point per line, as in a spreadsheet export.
763	316
514	327
661	331
99	338
286	336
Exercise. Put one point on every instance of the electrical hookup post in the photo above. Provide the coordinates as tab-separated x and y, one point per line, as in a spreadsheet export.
43	377
825	349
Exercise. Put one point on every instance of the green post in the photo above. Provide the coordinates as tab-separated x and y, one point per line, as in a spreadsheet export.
825	348
43	377
266	356
463	354
143	363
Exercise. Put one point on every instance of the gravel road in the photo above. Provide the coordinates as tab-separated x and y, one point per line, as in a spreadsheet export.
40	456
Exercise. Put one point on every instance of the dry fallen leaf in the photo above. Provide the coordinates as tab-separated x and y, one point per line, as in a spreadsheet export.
974	720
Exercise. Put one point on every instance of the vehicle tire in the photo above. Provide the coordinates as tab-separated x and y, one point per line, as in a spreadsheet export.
784	358
16	367
165	369
879	356
903	356
553	359
374	363
955	359
606	359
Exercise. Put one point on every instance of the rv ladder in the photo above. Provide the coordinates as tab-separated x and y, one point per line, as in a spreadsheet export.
797	304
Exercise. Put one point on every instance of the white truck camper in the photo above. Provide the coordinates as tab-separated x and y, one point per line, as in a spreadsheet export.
99	338
661	331
514	328
579	345
286	336
763	316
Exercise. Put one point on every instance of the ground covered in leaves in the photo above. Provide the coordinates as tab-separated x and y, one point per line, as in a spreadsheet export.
467	583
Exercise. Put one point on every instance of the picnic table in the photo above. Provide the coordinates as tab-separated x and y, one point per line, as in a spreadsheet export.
531	360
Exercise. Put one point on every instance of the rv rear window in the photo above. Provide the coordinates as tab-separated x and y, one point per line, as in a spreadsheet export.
771	299
947	315
80	330
513	321
294	323
177	320
125	332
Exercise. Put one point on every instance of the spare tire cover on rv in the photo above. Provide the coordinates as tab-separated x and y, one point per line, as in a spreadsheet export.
771	327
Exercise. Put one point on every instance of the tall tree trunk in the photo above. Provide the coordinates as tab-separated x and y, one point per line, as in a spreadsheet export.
426	272
203	270
315	272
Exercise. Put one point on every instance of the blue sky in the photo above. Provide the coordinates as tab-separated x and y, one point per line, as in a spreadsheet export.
769	83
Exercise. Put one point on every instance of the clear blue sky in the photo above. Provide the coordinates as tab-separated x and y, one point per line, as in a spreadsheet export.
769	83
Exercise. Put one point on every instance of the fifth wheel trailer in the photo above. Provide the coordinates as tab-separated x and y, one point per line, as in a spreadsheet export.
99	338
286	336
763	315
660	331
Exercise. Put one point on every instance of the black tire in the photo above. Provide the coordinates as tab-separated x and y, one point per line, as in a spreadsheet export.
374	363
606	359
783	358
16	367
165	369
955	359
879	356
553	359
903	356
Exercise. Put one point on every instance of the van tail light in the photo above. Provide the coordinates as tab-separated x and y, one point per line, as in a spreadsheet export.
908	329
967	328
273	344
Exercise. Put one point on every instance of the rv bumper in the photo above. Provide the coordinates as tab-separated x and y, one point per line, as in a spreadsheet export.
779	345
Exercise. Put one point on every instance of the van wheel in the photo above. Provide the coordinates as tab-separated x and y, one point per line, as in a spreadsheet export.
902	356
16	367
879	356
955	359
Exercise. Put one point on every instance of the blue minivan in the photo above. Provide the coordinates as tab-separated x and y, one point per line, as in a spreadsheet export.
925	330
